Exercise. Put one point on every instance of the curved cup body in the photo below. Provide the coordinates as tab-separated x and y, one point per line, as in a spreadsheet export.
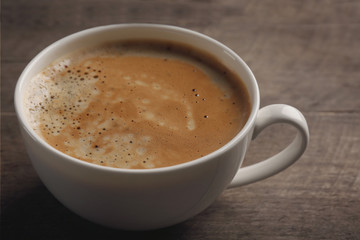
137	199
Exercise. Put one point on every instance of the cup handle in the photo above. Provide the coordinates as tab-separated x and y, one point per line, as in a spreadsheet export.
277	113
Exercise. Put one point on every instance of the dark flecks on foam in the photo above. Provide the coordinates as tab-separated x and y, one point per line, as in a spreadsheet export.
67	111
71	111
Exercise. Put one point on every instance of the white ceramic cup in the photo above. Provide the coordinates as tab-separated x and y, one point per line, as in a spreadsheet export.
155	198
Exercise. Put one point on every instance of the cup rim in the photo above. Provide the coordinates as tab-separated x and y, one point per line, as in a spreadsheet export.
18	100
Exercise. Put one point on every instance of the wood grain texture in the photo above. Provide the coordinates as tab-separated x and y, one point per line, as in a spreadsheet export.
303	53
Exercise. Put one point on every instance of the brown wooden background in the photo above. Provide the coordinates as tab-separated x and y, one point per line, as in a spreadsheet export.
303	53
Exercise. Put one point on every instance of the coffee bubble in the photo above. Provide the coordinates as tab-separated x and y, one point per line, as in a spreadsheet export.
135	105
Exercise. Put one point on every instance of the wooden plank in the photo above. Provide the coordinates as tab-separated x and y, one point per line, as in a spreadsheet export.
304	53
249	20
9	76
282	77
316	198
288	58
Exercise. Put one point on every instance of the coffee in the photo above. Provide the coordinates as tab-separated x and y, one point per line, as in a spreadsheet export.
137	104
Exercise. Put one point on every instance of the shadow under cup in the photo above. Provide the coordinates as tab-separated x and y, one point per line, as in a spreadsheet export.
128	198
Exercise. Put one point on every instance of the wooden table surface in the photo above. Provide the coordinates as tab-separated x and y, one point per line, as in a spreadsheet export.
303	53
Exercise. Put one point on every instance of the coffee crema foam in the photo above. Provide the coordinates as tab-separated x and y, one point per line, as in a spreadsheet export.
136	104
